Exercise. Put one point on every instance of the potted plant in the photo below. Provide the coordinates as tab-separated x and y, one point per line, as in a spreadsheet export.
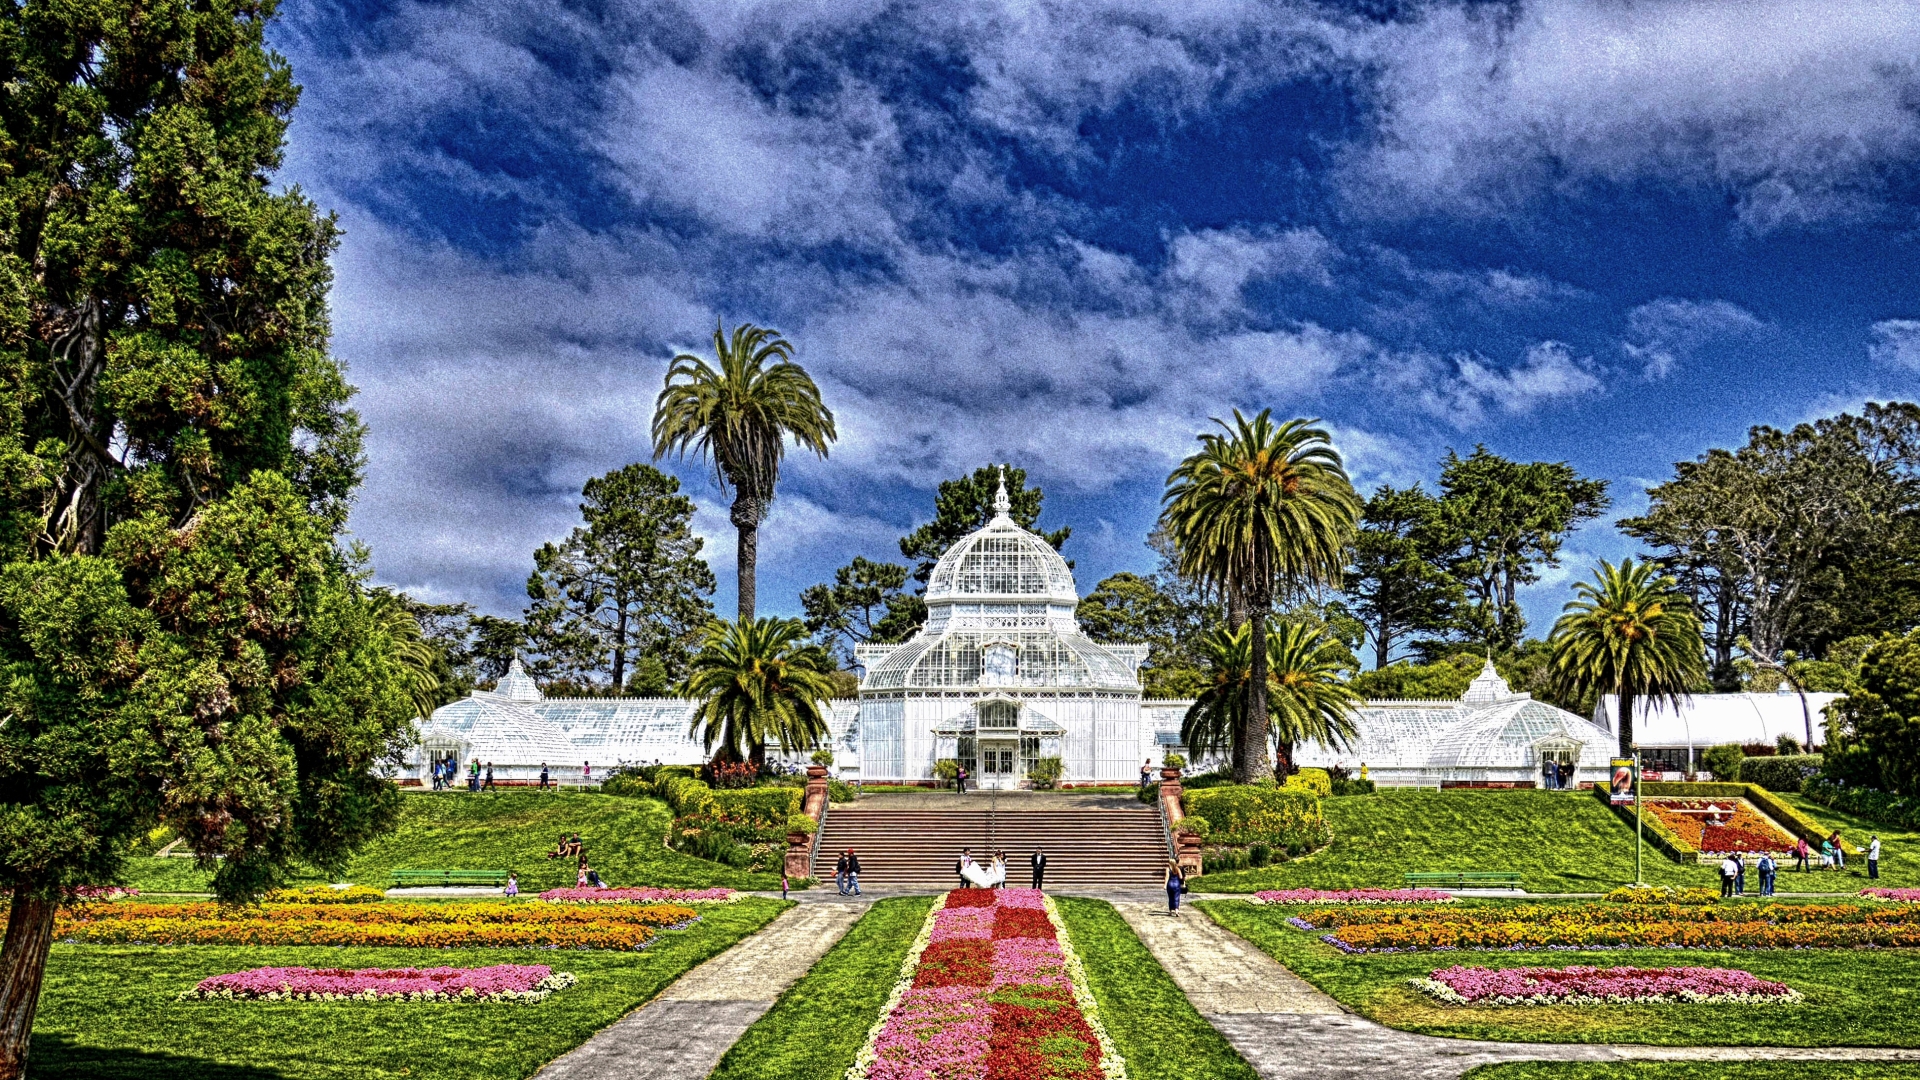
822	759
799	828
1171	765
1188	833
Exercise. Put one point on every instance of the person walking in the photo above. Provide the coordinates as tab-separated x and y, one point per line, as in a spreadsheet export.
1873	859
1726	877
853	872
488	786
1800	852
1739	875
1176	884
513	884
543	776
1039	864
473	776
840	873
783	883
1146	772
960	866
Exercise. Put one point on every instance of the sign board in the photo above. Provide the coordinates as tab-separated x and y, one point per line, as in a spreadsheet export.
1622	788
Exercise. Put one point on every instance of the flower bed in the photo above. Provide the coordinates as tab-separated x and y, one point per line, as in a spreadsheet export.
524	983
327	894
1352	896
1603	925
990	990
1738	828
640	896
557	926
1911	896
1662	894
1602	986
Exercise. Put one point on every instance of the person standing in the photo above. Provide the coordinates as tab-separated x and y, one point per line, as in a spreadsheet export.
473	776
488	786
853	872
1146	771
1039	864
960	779
543	776
783	883
1839	851
1873	859
840	873
586	772
960	866
513	884
1176	884
1739	875
1767	869
1800	852
1726	877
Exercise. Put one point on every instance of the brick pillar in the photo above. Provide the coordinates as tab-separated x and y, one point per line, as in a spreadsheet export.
814	803
799	856
1187	847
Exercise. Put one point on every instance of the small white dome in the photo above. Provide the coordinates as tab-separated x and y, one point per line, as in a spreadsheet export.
1001	561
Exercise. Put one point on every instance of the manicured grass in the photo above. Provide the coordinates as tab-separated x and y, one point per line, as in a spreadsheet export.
820	1023
1151	1022
1698	1070
1559	841
112	1012
1864	997
511	830
1899	851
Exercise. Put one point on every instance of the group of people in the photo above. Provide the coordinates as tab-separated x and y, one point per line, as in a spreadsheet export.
445	770
1733	874
992	874
846	874
1556	775
1833	856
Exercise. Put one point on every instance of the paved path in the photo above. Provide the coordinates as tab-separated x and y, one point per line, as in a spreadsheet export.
1288	1030
681	1034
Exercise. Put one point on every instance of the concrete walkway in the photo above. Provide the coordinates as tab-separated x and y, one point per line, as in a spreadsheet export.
682	1034
1288	1030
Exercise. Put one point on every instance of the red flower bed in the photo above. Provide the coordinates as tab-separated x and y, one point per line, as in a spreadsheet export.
1019	923
955	963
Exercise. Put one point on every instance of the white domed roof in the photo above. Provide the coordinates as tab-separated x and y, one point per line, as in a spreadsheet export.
1001	561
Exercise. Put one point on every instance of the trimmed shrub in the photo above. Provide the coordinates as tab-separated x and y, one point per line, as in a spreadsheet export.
629	784
1193	826
1781	772
822	757
839	791
801	823
1284	819
761	808
1173	761
1313	781
686	796
1352	787
1723	761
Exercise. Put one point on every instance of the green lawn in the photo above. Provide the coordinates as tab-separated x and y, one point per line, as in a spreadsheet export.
820	1023
1899	848
1151	1022
1853	997
510	830
1698	1070
112	1012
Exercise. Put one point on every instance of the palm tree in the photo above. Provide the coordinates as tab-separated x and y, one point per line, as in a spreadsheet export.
737	413
413	654
1630	631
758	682
1308	700
1262	504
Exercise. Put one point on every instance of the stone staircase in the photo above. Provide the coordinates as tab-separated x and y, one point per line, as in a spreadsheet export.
916	848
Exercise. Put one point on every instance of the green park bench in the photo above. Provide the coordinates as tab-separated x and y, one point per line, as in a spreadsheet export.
444	878
1464	879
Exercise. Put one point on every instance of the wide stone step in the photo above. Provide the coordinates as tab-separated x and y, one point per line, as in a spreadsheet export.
918	847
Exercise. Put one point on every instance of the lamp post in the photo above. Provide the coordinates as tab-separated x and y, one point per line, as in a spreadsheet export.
1637	834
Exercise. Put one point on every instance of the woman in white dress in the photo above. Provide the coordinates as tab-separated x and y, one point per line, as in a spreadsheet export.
980	877
998	872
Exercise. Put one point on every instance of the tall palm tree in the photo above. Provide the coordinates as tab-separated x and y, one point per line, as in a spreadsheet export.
1630	631
1261	505
737	413
1308	700
413	654
758	682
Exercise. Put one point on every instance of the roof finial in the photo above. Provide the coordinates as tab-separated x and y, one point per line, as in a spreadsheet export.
1002	505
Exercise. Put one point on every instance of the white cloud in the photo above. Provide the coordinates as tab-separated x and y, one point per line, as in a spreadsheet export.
1459	390
1896	343
1662	333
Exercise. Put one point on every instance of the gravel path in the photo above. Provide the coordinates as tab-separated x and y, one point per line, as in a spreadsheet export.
681	1034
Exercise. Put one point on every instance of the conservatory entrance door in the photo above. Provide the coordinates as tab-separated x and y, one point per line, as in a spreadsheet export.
999	761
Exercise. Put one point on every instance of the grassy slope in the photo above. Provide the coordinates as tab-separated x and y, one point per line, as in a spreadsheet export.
111	1012
1853	998
820	1023
1154	1026
511	830
1899	848
1698	1070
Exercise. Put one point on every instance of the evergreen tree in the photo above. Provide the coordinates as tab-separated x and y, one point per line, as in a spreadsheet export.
965	504
629	584
1395	579
867	602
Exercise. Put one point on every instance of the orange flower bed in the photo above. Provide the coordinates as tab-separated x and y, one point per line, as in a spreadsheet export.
1739	828
1539	926
431	926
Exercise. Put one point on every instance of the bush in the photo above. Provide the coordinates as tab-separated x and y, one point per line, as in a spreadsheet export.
629	784
1663	894
1780	773
1870	803
1193	826
1259	855
946	769
1352	787
326	894
801	823
822	757
760	808
1723	761
1314	781
1285	819
1045	773
685	796
839	791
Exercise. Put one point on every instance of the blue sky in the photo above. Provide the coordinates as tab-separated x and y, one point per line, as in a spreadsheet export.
1067	234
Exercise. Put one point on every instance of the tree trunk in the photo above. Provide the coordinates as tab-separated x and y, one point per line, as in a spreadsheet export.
746	520
1626	722
1382	644
1283	762
23	963
620	653
1251	755
1236	610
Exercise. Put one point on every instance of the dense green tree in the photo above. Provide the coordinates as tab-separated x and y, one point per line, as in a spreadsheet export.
1395	579
183	641
1308	697
965	504
1631	632
866	602
1881	717
738	413
1263	506
1441	680
1695	552
1504	520
627	585
758	684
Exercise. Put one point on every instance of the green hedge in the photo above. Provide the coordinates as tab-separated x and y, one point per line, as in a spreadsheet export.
1871	803
685	795
1352	787
1242	815
1665	840
1786	772
759	807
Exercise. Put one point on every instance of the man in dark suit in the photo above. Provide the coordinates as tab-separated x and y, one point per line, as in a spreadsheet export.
840	873
1039	863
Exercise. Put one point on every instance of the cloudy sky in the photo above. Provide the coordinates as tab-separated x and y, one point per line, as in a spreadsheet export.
1067	234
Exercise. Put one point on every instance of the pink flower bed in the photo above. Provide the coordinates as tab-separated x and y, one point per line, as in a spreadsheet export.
639	896
99	892
1911	896
501	982
1602	986
1352	896
991	990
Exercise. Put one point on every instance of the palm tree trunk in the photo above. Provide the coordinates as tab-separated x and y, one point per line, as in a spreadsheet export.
1626	722
23	963
1253	734
746	521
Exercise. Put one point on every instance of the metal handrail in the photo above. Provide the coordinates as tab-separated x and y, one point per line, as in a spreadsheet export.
1166	827
813	851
